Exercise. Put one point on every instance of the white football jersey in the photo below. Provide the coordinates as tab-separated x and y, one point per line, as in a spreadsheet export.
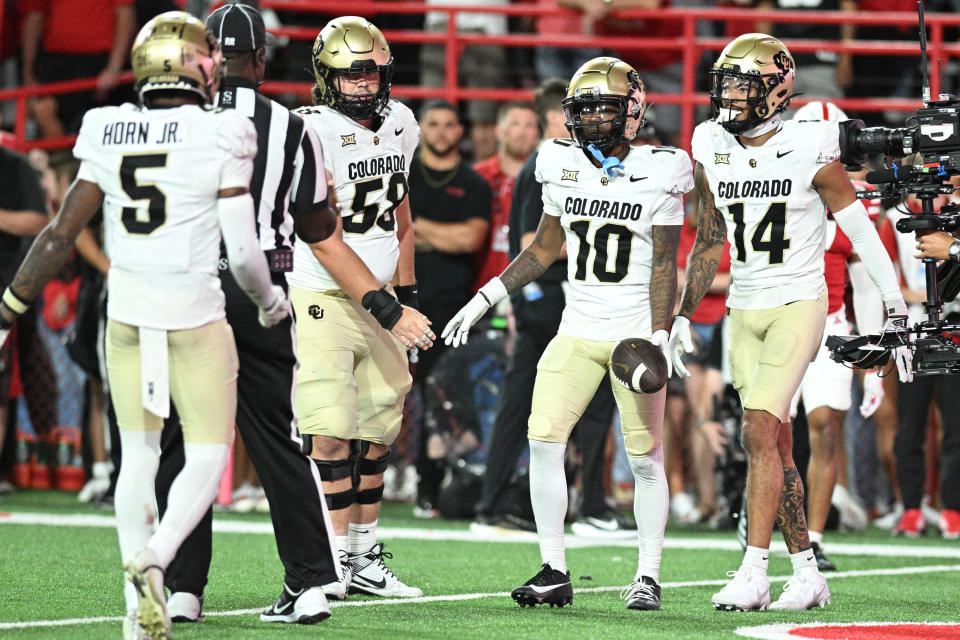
160	171
776	220
369	170
609	224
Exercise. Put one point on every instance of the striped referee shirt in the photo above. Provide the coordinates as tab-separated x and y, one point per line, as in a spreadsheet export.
288	174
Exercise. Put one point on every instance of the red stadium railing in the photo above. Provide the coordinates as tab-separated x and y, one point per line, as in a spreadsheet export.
688	44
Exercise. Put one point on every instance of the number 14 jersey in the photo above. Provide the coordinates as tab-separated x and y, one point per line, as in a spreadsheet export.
369	171
775	218
608	222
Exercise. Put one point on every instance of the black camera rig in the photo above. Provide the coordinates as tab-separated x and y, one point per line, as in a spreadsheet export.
930	143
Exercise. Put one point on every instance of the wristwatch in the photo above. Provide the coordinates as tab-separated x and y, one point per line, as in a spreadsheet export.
954	251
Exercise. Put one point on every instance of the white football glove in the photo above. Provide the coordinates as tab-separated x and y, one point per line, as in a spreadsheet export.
661	340
872	394
895	330
681	342
276	312
457	330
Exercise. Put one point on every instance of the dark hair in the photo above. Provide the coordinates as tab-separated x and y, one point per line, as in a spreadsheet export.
437	103
549	97
513	104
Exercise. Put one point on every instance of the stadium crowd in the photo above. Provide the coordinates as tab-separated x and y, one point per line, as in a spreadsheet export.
872	450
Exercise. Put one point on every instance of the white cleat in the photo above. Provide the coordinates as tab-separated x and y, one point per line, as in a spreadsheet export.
807	590
747	591
341	587
146	575
372	577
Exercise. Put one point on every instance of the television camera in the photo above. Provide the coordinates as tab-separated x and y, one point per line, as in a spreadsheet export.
928	153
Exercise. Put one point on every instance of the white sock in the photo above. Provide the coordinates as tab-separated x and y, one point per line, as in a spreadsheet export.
757	559
816	536
135	501
191	494
343	542
548	493
651	505
362	537
803	561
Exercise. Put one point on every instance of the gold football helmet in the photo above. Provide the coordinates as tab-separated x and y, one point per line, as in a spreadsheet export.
755	73
349	45
604	86
175	51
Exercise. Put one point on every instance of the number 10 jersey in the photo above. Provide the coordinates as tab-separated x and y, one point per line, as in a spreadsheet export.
369	171
775	218
608	222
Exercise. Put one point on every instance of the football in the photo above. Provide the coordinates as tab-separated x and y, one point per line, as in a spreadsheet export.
639	366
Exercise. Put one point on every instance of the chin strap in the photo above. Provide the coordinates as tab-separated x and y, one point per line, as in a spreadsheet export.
762	128
612	165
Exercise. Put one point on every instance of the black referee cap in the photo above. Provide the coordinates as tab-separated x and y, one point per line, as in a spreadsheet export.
238	27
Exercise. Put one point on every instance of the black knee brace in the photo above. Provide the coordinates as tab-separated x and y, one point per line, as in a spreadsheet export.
368	467
332	470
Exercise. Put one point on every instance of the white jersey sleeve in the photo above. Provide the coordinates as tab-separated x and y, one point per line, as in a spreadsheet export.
550	207
237	138
678	180
369	170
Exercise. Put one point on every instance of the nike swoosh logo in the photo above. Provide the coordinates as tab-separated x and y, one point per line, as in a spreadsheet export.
765	557
810	558
368	582
780	155
284	608
545	589
635	179
397	132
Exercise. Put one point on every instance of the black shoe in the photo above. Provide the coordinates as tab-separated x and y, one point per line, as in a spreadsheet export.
607	523
506	521
823	562
547	587
305	606
642	594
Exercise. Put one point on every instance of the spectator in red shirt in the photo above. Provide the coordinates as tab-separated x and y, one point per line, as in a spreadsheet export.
517	132
71	39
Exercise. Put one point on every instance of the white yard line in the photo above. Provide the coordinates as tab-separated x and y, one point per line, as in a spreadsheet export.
476	596
492	534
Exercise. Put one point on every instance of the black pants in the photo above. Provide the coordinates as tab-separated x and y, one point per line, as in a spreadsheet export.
913	401
537	324
265	421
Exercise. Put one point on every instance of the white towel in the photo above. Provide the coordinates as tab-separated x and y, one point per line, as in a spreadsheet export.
154	372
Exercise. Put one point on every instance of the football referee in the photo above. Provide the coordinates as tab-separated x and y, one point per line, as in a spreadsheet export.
288	184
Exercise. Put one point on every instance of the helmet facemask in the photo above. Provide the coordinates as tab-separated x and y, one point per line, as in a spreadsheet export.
361	106
604	120
733	93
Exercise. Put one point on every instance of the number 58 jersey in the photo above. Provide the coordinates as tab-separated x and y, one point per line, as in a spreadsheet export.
608	223
775	218
369	171
160	171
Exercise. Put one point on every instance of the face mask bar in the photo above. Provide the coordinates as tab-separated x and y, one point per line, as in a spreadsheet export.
732	93
603	133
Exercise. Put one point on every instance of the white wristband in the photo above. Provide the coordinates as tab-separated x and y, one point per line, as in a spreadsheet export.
493	291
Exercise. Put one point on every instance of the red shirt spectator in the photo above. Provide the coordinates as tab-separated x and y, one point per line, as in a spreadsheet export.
494	256
77	26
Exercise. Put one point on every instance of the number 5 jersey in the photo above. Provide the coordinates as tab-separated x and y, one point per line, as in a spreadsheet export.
775	218
608	223
160	171
369	170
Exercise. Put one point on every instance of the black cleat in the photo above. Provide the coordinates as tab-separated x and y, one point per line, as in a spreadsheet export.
549	586
823	562
642	594
306	606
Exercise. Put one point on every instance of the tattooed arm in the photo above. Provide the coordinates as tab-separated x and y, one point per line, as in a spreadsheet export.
705	257
534	260
663	274
51	248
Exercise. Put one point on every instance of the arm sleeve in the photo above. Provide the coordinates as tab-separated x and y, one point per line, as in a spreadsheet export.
828	148
867	305
247	262
854	222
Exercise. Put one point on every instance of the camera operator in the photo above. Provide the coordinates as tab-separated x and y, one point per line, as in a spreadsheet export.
914	400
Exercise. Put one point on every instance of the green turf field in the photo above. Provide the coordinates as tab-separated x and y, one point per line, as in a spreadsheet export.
55	572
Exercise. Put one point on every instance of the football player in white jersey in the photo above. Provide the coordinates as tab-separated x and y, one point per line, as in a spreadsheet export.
620	210
172	176
353	374
765	184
